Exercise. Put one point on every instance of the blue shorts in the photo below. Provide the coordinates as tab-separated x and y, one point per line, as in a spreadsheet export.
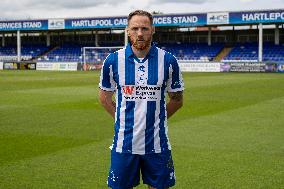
157	170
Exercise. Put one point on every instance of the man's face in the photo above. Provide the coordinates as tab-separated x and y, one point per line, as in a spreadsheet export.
140	32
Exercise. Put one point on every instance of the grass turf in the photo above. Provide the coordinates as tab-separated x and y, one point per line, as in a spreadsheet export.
54	133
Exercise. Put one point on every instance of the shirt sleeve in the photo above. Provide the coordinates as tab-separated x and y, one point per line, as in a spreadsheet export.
175	82
107	82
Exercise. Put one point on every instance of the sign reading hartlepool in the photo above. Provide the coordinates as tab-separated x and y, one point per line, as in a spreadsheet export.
262	16
275	16
107	22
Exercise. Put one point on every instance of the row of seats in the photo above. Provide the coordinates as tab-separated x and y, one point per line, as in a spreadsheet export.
9	53
199	52
195	51
65	53
249	52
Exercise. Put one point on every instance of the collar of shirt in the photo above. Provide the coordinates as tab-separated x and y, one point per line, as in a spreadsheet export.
130	55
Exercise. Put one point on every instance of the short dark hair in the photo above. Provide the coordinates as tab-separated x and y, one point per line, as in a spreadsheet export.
140	13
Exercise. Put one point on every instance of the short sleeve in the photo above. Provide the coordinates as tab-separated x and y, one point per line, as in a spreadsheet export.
107	82
175	82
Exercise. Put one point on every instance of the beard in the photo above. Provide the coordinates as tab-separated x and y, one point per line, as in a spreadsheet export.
140	44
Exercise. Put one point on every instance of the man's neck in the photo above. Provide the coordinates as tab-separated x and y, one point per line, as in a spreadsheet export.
140	53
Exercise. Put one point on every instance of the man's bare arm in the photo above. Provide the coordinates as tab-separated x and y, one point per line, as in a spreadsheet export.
105	98
175	102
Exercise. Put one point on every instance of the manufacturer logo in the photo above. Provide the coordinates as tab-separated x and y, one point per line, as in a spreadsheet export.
218	18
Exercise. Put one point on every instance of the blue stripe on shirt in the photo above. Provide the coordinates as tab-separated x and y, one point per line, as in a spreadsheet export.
149	132
106	72
129	123
153	70
162	117
129	72
175	83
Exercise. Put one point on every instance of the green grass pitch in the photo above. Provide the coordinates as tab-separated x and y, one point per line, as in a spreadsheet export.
55	134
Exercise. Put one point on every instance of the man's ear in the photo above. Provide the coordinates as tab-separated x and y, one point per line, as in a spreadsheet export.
127	30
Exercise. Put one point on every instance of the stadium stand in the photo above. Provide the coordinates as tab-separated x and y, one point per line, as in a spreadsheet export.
243	52
193	52
27	52
64	53
198	52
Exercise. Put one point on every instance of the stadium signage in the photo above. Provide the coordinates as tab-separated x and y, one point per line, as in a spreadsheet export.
55	24
23	25
176	20
200	67
263	16
218	18
95	23
257	17
280	68
57	66
121	22
180	20
247	67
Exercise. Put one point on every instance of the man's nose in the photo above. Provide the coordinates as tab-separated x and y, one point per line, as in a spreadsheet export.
139	32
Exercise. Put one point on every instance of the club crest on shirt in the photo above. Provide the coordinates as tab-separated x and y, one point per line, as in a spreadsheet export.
141	76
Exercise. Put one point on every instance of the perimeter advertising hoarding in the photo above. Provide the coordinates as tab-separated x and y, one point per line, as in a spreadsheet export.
271	67
200	67
280	68
27	66
247	67
1	65
19	65
59	66
10	66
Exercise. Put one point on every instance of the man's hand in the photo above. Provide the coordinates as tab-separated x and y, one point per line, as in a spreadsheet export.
105	98
175	102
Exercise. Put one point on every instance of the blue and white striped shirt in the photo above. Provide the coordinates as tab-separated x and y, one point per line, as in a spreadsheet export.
140	86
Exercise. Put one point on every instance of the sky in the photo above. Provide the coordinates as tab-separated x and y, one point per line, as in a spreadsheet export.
43	9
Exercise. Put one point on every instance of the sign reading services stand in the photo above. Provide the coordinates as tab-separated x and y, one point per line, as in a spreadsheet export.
180	20
24	25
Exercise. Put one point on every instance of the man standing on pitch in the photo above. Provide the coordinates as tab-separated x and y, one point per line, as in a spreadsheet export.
140	75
